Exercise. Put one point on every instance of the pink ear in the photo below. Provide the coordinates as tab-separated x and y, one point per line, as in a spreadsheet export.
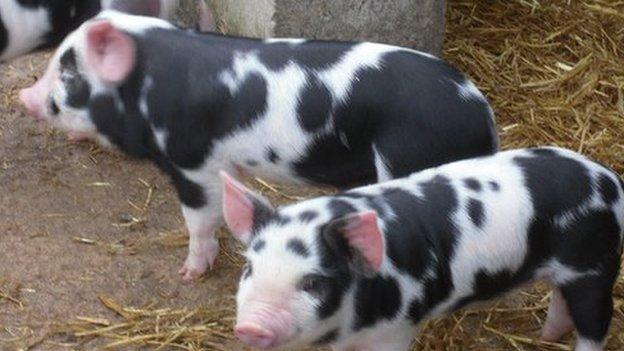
238	209
364	235
111	53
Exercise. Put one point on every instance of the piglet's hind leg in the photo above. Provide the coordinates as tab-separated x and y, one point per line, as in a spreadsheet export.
558	321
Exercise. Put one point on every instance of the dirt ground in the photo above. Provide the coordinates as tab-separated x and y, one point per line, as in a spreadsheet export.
74	225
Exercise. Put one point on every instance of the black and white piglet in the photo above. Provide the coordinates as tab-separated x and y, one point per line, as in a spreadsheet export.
362	269
26	25
289	110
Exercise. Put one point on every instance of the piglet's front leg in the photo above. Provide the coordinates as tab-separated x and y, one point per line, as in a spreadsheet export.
203	246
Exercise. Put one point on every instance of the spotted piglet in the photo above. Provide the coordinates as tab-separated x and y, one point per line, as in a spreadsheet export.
289	110
362	269
26	25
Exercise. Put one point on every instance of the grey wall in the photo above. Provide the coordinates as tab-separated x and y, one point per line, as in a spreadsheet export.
413	23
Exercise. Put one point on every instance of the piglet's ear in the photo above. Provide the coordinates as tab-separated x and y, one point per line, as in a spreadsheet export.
242	209
111	53
364	239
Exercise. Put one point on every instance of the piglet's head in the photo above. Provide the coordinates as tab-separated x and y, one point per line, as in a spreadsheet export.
301	261
95	59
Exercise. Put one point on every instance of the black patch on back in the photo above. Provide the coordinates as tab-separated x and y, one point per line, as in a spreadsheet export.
553	195
608	189
315	103
308	216
476	212
77	87
312	55
327	338
251	163
546	152
258	245
494	185
473	184
298	247
376	299
372	201
272	156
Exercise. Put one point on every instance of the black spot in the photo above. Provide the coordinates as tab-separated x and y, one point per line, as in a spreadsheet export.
423	237
340	208
3	37
588	239
190	193
422	226
272	155
494	185
376	299
77	87
553	195
335	265
608	189
416	311
250	100
251	163
312	55
315	103
258	245
298	247
476	212
281	219
546	152
329	161
373	202
262	214
473	184
487	286
308	216
247	271
327	338
54	107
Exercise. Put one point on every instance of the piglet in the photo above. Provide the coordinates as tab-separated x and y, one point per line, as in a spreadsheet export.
362	269
28	25
289	110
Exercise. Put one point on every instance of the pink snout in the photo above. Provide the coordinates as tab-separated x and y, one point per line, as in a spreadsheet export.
254	335
32	101
264	326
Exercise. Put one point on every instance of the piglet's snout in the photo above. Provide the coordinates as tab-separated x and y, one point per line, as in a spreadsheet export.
264	326
32	101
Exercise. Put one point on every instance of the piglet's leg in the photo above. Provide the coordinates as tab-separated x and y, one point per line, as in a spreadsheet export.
203	246
558	321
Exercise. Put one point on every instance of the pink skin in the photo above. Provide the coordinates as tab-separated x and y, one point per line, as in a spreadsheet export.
237	207
558	320
265	325
34	98
363	234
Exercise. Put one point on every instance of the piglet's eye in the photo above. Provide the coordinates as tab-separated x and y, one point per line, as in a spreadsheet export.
314	284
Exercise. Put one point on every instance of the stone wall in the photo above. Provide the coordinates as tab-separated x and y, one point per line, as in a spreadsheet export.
413	23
